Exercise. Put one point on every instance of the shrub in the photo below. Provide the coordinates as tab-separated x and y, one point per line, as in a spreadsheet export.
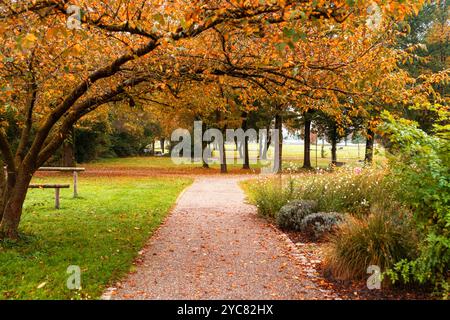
421	166
291	215
317	225
380	239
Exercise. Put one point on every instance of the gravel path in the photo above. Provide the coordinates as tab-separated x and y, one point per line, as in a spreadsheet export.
214	246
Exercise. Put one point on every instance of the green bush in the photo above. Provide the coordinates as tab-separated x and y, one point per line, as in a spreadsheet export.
381	239
291	215
417	181
317	225
421	167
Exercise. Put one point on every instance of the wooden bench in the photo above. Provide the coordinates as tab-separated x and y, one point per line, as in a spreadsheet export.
74	170
337	164
57	187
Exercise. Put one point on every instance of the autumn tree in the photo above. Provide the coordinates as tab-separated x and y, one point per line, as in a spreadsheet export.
59	63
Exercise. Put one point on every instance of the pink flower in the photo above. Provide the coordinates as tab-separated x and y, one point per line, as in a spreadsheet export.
357	170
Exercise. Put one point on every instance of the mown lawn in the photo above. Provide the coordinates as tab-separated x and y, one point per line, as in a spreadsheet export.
102	232
292	158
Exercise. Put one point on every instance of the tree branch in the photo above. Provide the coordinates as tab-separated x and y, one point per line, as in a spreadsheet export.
25	136
79	91
81	110
5	149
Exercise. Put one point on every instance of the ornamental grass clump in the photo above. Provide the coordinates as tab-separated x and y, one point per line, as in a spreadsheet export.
347	190
270	195
380	239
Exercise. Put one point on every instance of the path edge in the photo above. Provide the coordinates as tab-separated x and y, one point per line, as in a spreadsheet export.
108	292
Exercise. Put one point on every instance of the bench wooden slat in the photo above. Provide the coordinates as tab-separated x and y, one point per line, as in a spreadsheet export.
49	186
74	171
66	169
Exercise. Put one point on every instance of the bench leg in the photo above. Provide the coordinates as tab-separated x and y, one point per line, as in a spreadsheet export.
75	184
56	198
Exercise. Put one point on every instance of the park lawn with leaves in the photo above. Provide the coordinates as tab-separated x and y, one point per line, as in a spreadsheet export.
137	163
292	155
102	232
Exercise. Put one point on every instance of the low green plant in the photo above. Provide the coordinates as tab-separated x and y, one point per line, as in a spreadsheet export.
291	215
318	225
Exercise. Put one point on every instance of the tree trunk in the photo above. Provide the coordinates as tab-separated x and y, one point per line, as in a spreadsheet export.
267	142
14	200
223	156
246	164
162	141
369	147
204	147
334	145
68	151
307	144
2	188
322	150
68	156
153	148
279	153
239	147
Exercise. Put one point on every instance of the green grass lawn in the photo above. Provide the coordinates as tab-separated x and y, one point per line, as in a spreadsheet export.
292	158
101	232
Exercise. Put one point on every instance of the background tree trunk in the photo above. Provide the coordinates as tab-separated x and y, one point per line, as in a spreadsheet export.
204	147
267	142
162	141
68	151
307	144
246	164
68	159
279	153
368	158
322	149
334	145
223	155
239	148
68	154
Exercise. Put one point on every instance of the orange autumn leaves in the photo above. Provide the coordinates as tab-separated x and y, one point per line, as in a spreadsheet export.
328	52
